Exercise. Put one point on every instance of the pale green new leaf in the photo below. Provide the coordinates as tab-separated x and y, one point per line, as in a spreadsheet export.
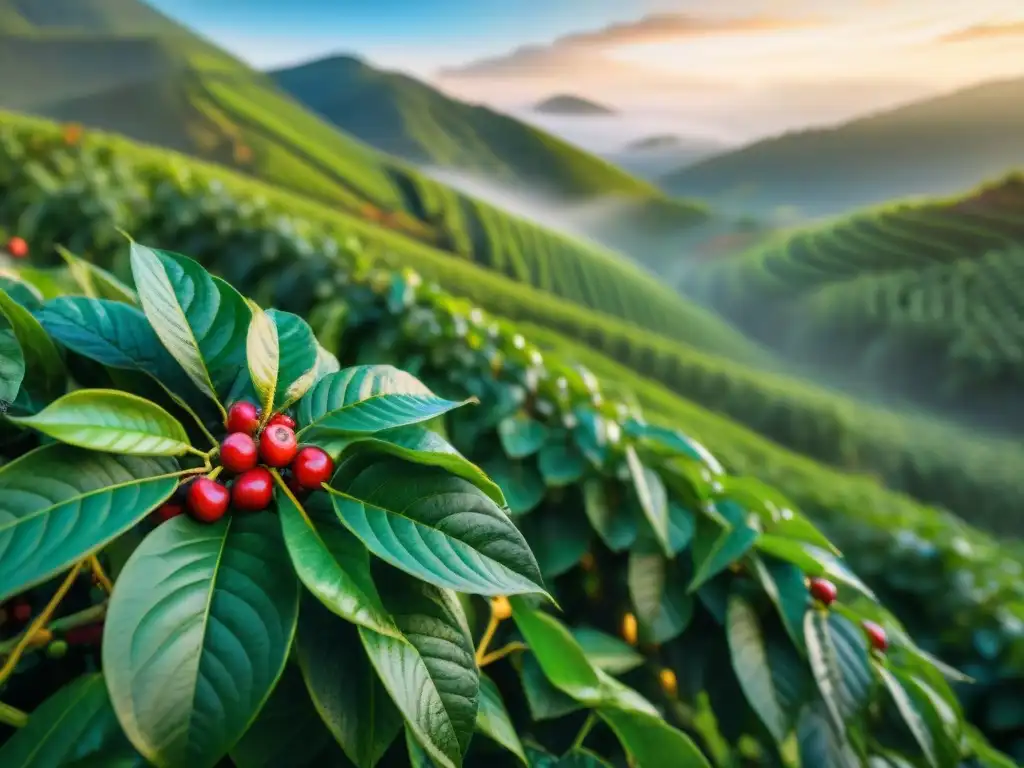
751	664
606	652
653	499
112	421
651	741
197	634
263	356
493	720
91	498
96	282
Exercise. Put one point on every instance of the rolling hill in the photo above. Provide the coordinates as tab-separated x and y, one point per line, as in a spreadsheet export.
922	300
164	87
567	104
934	147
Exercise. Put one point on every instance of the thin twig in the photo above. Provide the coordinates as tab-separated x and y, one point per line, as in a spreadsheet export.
100	575
492	627
84	617
501	653
582	735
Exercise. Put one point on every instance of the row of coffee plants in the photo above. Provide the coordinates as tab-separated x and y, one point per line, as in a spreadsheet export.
960	593
272	604
301	602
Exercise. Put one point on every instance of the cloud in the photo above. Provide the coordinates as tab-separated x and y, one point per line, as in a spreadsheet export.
581	48
984	32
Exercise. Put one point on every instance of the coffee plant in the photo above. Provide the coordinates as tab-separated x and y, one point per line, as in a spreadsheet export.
293	564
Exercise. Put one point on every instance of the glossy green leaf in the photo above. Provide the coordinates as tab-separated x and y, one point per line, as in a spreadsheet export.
560	657
663	607
212	608
558	542
44	369
422	446
521	435
544	701
288	732
715	549
74	723
812	561
96	282
609	517
89	497
560	464
786	586
12	366
520	483
201	320
616	695
606	652
493	720
331	562
650	492
433	525
942	719
346	692
120	336
112	421
910	714
750	662
818	742
651	741
418	758
839	663
263	355
432	674
682	525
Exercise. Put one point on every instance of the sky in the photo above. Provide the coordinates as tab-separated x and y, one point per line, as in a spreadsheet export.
727	69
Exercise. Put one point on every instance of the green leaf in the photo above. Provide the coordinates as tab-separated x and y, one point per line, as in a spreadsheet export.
943	721
288	731
650	492
346	692
560	657
331	562
74	723
663	607
606	652
433	525
560	464
432	674
785	585
545	702
95	281
112	421
580	758
12	366
44	368
201	320
263	355
610	519
819	744
910	714
715	549
521	436
750	662
651	741
418	758
812	561
492	719
839	663
520	483
558	542
89	498
119	336
682	525
212	608
421	446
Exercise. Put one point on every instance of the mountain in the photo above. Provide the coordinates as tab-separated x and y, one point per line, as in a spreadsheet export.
647	158
933	147
564	104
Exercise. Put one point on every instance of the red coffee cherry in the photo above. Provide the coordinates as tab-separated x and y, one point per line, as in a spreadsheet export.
252	490
22	612
238	452
824	591
283	419
311	467
876	634
278	446
166	511
208	500
243	416
17	247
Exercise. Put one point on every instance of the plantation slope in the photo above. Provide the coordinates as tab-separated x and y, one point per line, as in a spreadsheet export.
921	300
215	108
932	147
977	479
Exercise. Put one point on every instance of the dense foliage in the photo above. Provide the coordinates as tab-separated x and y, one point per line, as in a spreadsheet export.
960	593
308	608
923	299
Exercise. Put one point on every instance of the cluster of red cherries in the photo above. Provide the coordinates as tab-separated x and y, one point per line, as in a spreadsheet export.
247	453
825	592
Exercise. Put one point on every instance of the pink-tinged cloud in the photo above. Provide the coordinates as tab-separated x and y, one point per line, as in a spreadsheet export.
984	32
580	48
